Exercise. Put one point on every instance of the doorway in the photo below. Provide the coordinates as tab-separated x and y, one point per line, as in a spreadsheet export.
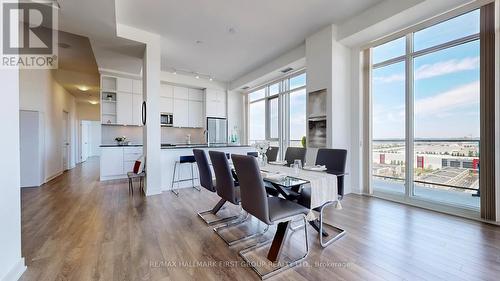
90	139
66	141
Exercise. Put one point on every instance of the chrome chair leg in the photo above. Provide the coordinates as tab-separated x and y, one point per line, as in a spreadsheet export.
192	179
241	239
214	211
174	191
342	232
280	269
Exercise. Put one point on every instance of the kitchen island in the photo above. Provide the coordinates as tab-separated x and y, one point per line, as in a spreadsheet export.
117	160
171	154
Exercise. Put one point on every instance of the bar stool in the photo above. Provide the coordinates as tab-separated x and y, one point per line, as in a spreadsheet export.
189	159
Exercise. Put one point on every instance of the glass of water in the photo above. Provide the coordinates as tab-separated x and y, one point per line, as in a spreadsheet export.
297	166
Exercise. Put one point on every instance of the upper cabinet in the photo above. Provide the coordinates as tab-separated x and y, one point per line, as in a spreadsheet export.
215	103
195	94
121	101
137	86
181	92
124	85
124	108
166	91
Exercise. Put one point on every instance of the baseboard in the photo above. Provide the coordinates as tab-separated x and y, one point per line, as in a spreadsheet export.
53	177
15	273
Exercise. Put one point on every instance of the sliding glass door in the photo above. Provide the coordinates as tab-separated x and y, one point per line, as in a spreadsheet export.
426	114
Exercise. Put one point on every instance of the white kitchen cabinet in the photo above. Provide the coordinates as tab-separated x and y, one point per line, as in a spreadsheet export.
166	105
181	113
181	92
116	162
196	94
111	162
130	155
137	86
124	85
137	110
215	103
124	105
196	116
166	91
221	104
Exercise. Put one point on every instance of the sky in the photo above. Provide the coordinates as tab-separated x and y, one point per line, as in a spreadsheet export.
446	84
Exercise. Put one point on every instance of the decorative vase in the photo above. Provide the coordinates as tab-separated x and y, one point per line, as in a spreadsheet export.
263	159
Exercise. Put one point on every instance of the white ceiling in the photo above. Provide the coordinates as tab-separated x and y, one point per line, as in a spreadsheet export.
263	29
96	20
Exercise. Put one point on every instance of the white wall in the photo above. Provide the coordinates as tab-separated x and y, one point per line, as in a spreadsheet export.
11	262
40	92
328	65
87	111
236	115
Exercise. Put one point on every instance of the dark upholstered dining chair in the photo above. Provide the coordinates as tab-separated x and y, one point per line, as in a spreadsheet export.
295	153
227	190
207	182
269	210
272	153
335	162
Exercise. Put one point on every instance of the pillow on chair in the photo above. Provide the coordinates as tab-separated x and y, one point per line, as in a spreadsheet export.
139	165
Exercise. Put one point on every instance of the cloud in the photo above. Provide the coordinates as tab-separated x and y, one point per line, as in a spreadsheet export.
436	69
441	103
446	67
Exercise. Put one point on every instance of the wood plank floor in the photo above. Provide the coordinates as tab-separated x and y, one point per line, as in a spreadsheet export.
77	228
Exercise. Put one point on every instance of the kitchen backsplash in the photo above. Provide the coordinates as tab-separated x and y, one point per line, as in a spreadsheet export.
178	135
134	134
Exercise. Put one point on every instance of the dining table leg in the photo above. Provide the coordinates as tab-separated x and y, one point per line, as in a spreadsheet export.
277	244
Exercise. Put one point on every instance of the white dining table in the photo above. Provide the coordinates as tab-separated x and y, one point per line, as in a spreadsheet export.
323	185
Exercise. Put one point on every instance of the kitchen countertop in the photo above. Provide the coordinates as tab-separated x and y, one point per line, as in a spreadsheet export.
178	146
116	145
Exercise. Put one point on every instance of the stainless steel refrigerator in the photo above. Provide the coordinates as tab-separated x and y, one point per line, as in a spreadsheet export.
217	129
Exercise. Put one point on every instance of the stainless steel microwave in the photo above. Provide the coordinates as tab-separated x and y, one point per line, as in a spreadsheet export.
167	120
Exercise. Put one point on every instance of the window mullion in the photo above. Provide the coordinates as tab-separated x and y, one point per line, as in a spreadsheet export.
409	157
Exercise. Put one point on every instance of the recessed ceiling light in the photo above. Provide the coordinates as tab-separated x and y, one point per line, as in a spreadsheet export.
211	79
197	76
83	88
93	102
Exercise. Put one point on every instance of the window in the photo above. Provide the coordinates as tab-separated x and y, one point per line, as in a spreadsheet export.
277	112
390	50
297	117
257	95
388	95
443	87
455	28
274	118
274	89
257	118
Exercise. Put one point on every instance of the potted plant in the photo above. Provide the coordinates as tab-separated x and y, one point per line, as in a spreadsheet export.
121	140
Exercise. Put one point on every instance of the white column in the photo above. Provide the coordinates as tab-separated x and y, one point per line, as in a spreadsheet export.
329	67
152	129
11	262
151	95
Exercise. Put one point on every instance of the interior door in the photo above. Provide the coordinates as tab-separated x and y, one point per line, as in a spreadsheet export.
85	140
65	141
